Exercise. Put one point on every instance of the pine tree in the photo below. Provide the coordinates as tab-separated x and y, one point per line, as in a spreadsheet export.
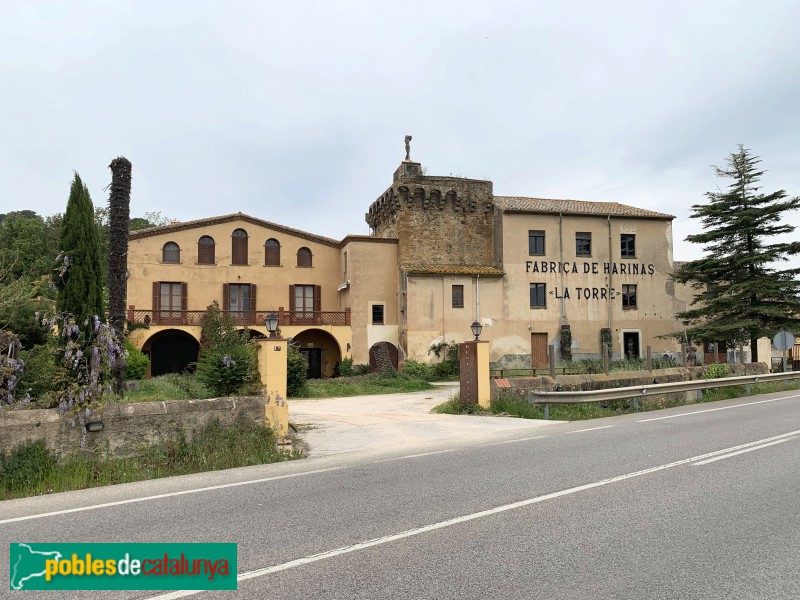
742	293
79	276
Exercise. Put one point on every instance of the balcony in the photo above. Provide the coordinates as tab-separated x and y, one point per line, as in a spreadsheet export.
245	319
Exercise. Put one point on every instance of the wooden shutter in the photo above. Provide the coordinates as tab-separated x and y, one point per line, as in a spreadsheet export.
184	302
317	298
252	297
156	295
226	297
291	298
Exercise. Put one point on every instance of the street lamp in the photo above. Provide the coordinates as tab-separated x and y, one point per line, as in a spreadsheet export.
271	322
476	329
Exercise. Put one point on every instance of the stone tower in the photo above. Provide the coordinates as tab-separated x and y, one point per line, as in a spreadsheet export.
438	221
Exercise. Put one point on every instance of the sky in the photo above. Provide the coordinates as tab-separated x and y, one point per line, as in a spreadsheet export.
295	111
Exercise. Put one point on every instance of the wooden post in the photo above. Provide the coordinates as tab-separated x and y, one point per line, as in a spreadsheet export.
605	358
551	359
683	354
649	358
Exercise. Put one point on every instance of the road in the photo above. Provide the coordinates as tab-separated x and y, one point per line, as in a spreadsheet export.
697	502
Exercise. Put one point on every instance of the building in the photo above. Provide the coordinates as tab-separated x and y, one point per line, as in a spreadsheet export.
443	252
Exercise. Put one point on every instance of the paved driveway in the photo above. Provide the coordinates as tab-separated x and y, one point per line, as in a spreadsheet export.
388	422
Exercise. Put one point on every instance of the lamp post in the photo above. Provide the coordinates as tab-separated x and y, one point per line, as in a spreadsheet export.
271	323
476	329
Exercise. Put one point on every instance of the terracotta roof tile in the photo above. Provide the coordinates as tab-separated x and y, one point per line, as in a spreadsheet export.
454	270
200	223
574	207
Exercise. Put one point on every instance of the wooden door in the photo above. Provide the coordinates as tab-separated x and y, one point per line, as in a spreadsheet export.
538	350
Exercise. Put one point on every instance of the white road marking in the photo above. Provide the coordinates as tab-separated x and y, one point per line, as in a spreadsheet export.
167	495
716	458
470	517
416	455
527	439
590	429
697	412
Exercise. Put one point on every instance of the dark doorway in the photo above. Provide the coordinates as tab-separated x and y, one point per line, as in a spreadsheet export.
172	352
630	344
313	357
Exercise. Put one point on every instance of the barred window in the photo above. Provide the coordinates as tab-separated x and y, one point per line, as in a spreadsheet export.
458	296
304	257
171	253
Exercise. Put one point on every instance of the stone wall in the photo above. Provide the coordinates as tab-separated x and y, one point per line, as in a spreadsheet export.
126	427
437	220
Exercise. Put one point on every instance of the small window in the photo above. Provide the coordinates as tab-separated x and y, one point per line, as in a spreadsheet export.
377	314
205	250
583	244
538	295
536	243
239	247
628	296
304	257
628	245
272	253
171	253
458	296
344	260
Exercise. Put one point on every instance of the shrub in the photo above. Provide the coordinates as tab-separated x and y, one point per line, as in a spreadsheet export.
716	371
346	367
43	376
228	361
418	370
296	372
227	369
136	362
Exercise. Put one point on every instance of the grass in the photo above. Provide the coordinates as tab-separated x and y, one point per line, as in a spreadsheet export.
31	469
168	387
360	385
509	405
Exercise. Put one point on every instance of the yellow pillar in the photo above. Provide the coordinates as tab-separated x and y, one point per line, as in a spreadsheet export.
272	367
482	364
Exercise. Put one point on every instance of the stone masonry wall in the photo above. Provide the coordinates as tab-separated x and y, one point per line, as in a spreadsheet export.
126	427
437	220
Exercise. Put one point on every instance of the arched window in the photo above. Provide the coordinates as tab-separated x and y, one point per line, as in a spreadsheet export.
304	257
239	247
272	253
171	253
205	250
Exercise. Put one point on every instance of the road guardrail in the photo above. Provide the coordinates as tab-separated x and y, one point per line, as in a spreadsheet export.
654	389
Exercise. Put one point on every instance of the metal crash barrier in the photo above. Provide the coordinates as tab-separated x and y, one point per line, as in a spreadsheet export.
655	389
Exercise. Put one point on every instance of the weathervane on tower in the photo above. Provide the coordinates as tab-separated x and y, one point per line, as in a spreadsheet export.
408	148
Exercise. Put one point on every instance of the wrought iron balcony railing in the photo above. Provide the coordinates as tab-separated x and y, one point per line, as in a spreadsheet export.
244	318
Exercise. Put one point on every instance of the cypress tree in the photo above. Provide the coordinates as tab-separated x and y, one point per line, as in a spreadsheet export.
742	294
79	276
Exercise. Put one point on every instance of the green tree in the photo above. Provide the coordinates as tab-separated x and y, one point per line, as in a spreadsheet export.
742	294
79	277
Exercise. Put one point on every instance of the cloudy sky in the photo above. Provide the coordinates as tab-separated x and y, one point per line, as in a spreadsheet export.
295	111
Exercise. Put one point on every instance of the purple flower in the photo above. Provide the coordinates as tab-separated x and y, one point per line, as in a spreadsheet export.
227	361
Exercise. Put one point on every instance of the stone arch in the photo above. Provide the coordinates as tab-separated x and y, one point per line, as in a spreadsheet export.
321	350
171	351
383	357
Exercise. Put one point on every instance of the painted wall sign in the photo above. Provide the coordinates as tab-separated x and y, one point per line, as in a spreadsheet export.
589	268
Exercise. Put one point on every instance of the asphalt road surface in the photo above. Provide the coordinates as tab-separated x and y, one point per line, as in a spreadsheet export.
688	503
